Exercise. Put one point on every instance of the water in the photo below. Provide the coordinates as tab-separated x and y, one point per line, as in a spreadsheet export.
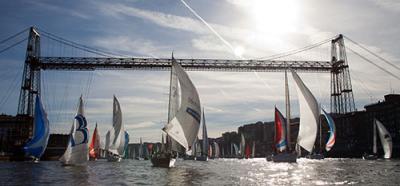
213	172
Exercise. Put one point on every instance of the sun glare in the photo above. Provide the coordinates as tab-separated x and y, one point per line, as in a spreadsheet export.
239	51
275	16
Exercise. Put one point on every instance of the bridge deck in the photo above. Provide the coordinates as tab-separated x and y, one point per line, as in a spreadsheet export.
91	63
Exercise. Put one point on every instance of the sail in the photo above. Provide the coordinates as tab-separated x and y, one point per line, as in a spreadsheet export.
235	149
117	136
247	151
77	149
309	115
253	150
386	139
242	145
94	147
107	142
280	131
37	145
184	127
126	143
141	149
216	150
332	131
205	136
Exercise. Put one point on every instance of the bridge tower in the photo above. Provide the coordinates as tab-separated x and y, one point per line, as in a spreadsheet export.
30	85
342	100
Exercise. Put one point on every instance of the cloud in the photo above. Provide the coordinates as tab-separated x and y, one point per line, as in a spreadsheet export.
393	5
59	9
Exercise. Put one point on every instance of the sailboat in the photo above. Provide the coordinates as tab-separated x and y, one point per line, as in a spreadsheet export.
242	146
284	152
35	147
216	150
94	147
386	142
116	143
247	151
191	155
253	150
331	140
184	124
126	155
205	144
140	157
77	149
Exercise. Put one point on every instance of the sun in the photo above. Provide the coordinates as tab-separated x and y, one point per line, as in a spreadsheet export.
239	51
275	16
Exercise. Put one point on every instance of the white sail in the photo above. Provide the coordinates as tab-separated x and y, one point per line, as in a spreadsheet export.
242	146
173	105
184	126
107	143
205	136
216	150
309	115
117	136
386	139
77	151
253	150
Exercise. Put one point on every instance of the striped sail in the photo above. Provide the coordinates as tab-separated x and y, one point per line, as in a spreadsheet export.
280	131
332	131
77	149
309	115
386	139
37	145
184	126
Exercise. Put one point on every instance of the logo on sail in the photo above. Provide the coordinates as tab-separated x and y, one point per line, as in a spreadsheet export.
193	113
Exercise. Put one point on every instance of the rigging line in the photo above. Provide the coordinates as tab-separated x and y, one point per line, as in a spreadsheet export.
209	27
363	86
371	62
374	54
13	36
13	45
295	51
78	47
84	46
14	86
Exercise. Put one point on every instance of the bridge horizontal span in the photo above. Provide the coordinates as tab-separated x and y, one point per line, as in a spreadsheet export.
92	63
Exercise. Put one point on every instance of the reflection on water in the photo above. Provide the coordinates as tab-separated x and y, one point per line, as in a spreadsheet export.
213	172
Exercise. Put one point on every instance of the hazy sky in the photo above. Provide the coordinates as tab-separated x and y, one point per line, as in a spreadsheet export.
231	29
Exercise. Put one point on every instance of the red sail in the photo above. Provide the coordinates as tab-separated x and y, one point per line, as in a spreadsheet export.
247	151
94	147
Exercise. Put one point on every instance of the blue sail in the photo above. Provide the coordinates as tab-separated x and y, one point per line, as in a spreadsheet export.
126	143
332	131
37	145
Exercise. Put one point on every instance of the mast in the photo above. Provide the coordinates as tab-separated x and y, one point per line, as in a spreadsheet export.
320	135
374	149
287	101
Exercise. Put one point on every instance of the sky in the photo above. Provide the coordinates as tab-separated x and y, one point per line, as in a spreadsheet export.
222	29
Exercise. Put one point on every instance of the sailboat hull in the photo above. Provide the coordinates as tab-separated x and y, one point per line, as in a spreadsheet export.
315	156
370	157
284	158
202	158
163	160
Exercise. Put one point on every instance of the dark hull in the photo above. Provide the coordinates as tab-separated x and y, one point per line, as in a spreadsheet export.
165	160
284	158
202	158
315	156
189	158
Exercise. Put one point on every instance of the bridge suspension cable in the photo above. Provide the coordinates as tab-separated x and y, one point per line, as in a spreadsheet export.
372	53
371	62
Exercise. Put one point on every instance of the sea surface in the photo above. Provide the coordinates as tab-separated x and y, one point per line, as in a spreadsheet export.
214	172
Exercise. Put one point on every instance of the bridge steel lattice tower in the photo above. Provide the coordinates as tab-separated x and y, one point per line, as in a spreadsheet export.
342	99
30	85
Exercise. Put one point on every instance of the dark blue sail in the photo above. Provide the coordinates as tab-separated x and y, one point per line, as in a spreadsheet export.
37	145
126	143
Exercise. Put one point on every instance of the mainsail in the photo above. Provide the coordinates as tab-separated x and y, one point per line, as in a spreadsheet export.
309	115
280	131
386	139
205	137
216	150
332	131
37	145
117	136
77	149
184	126
94	147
